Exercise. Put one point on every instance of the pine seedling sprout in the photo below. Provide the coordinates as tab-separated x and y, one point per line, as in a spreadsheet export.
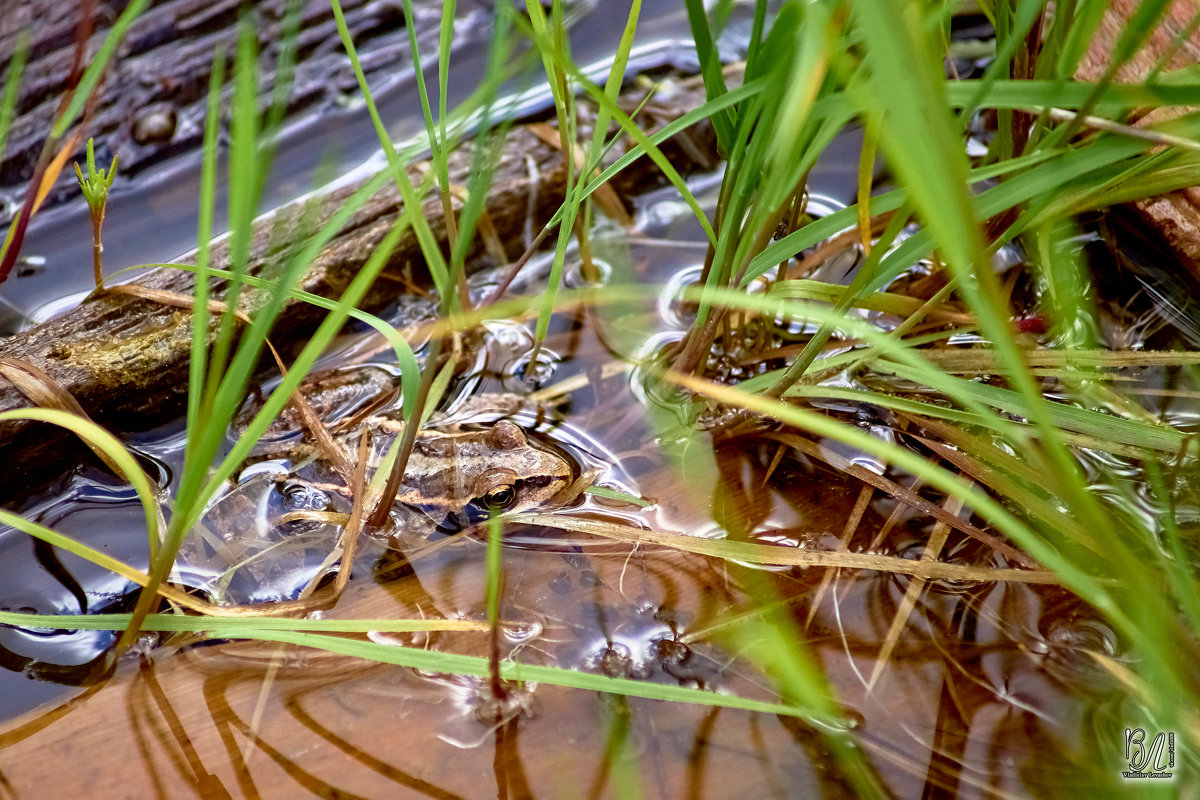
95	190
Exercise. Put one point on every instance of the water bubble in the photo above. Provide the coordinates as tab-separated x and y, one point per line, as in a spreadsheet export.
493	710
155	124
400	639
613	660
662	214
271	469
522	632
872	462
33	629
684	664
509	335
850	720
670	652
672	308
835	449
524	373
302	497
643	378
820	205
53	308
1069	649
839	267
575	279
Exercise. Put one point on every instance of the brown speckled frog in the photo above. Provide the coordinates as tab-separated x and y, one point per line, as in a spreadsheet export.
454	473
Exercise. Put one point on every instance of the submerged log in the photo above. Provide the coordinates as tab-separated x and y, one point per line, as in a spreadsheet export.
125	359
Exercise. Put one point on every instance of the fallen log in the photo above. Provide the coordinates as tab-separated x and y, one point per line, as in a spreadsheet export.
152	103
125	359
1176	215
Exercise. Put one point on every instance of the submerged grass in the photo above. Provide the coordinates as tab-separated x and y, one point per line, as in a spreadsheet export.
1009	453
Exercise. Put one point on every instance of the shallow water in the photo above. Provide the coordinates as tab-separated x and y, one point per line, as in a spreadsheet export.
995	678
991	688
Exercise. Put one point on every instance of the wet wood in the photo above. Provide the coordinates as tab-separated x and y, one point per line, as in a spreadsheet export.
1176	216
151	105
125	359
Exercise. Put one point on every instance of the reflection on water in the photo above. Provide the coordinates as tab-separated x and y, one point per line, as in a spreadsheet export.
992	688
990	685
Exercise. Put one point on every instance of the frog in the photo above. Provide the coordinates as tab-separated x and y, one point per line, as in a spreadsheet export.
456	470
457	473
270	535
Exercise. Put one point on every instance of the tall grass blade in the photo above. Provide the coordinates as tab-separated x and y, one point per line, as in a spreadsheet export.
710	68
198	363
12	85
429	246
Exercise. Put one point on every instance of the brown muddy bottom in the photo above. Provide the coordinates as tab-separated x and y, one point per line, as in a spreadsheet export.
990	688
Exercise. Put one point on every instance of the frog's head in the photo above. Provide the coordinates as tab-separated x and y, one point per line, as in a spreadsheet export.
523	476
470	473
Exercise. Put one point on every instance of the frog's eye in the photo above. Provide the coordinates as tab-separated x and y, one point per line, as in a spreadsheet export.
503	496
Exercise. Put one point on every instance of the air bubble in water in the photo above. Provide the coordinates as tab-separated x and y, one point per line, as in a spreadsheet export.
521	632
302	497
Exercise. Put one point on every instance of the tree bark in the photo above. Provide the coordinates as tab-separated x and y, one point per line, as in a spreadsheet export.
1176	215
151	105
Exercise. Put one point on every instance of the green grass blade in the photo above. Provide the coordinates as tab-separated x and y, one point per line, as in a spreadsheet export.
710	68
198	362
97	437
243	183
1079	35
405	358
612	87
1080	580
493	569
76	548
12	84
432	661
220	627
308	356
429	245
